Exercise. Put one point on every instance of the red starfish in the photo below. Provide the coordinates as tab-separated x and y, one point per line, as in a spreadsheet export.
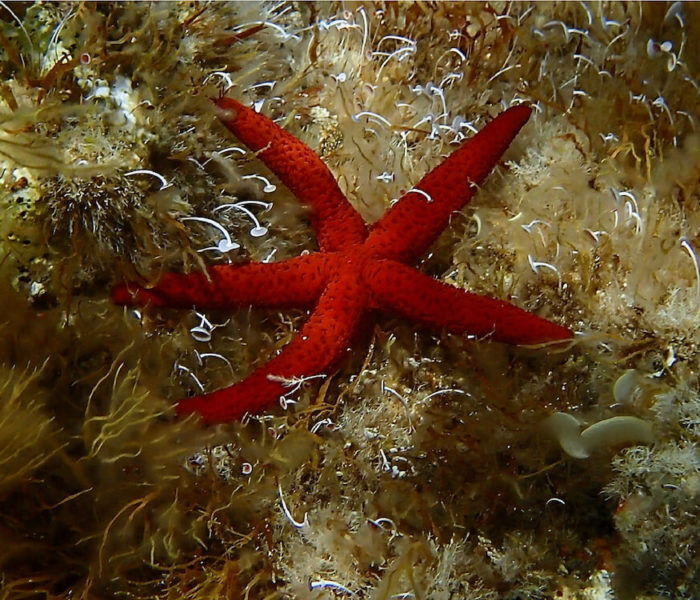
357	271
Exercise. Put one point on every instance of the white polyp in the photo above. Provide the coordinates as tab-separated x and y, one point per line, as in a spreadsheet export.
196	162
371	116
192	375
265	205
585	59
612	41
428	118
270	256
660	102
450	77
385	462
595	234
557	500
204	321
399	53
163	181
609	137
423	193
535	266
397	38
528	227
440	392
287	514
404	402
200	334
53	39
459	53
365	31
330	585
504	70
670	357
225	76
458	122
567	30
258	230
685	244
635	216
322	423
285	35
268	188
477	220
325	25
21	25
285	402
224	152
268	84
213	355
675	10
381	521
224	245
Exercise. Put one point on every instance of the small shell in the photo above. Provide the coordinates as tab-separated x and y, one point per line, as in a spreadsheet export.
625	386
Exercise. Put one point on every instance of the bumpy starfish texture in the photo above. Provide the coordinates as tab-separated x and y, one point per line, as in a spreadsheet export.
357	272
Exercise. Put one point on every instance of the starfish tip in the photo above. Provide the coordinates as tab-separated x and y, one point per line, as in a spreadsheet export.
519	115
228	106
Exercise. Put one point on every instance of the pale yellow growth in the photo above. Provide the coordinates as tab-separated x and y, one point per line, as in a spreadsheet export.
27	433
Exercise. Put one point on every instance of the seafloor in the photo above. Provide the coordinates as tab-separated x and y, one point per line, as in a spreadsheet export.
429	466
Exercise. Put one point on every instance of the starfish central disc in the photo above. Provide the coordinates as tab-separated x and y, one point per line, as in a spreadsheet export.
357	272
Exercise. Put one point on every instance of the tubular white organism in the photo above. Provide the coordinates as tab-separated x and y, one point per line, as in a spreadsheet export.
163	181
423	193
685	244
192	375
226	244
269	187
285	510
536	265
330	585
257	231
203	355
225	76
371	116
449	391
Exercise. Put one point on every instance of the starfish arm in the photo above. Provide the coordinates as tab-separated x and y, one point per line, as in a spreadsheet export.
336	223
316	349
408	229
297	282
417	297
